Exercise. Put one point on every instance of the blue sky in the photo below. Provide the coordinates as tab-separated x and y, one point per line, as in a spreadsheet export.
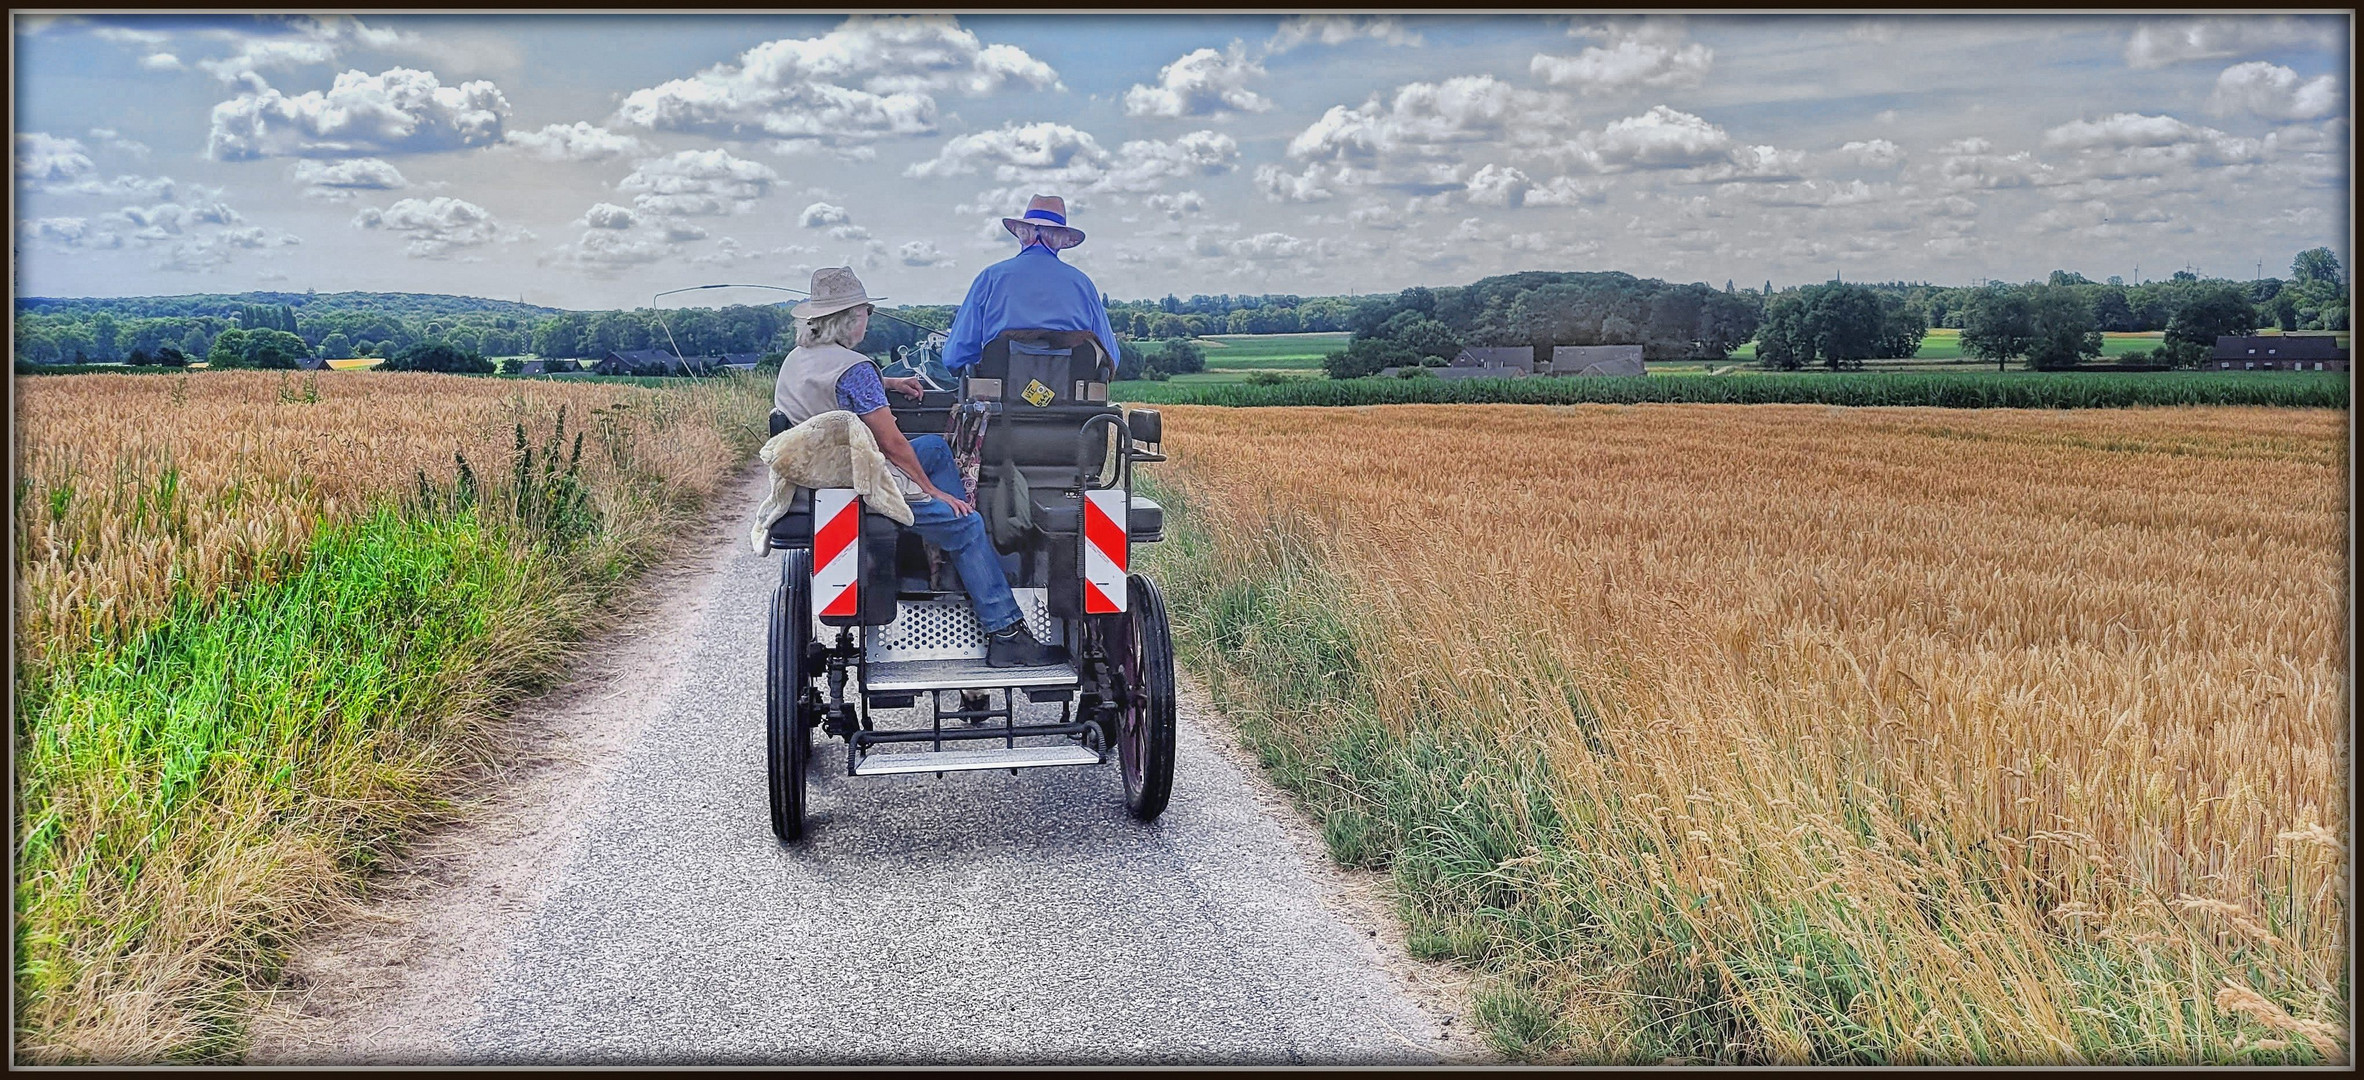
591	161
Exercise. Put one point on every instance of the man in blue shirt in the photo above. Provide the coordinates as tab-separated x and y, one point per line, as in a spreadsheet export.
1030	290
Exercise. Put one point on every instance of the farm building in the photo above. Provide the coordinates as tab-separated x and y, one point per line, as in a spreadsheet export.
2314	352
1521	357
549	367
1597	360
655	362
744	361
312	363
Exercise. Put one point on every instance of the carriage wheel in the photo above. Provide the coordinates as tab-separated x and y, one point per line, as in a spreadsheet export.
788	735
1143	649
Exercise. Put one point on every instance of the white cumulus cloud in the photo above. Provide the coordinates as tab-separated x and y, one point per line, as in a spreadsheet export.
2174	41
1338	30
399	111
1652	55
870	77
2274	92
47	159
579	141
922	253
434	228
1877	153
1202	83
342	179
821	213
698	183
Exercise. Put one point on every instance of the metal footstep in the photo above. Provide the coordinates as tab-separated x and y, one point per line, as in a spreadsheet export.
937	761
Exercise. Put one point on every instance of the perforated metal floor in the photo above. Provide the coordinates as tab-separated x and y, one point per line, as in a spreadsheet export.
961	674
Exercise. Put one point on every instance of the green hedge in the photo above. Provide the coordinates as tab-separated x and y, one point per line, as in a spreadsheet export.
1953	390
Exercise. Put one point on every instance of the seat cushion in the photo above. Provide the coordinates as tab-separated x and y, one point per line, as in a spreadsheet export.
794	529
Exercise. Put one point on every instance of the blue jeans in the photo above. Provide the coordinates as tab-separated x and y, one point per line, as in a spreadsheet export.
963	538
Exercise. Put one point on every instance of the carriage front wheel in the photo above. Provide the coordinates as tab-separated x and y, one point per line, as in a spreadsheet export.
1144	655
788	728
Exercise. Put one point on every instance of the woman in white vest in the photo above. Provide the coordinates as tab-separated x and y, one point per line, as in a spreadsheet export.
824	374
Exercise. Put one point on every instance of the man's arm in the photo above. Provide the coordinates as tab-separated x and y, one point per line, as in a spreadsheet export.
1102	329
897	449
965	345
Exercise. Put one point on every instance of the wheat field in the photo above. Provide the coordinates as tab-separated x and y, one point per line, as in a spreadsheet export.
1907	735
266	627
129	487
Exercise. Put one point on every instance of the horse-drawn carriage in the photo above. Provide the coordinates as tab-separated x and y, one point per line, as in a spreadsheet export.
862	629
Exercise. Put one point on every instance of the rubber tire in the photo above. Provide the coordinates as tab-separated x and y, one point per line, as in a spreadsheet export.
1154	639
788	732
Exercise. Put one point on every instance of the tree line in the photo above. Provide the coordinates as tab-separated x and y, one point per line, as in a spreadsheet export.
1427	327
2050	323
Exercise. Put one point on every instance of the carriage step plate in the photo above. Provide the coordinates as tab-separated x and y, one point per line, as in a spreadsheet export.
968	674
1024	757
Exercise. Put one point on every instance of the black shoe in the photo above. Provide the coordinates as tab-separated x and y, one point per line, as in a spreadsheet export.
1015	646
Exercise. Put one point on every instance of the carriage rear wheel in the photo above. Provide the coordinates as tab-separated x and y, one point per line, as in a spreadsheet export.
1143	649
788	731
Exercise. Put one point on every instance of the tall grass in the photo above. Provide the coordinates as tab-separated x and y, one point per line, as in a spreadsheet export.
297	658
1953	390
1784	735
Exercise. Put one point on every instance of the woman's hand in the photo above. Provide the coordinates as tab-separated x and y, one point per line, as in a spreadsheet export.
907	385
960	507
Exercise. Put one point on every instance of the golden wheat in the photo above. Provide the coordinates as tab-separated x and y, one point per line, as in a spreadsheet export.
257	461
1851	661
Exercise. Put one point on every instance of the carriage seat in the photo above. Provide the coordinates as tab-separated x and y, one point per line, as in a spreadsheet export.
1145	524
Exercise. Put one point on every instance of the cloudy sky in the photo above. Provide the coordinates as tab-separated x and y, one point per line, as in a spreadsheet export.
591	161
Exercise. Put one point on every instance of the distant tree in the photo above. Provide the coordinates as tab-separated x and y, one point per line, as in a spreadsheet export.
1727	286
280	349
336	346
2184	276
2068	277
1366	355
1837	325
229	350
2111	312
512	365
2000	324
139	358
195	343
171	356
2207	314
2062	333
1902	327
437	356
1182	356
2316	264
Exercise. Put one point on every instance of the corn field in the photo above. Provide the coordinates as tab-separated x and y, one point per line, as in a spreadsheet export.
1808	734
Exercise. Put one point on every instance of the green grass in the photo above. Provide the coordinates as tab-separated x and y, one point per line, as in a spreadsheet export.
1960	389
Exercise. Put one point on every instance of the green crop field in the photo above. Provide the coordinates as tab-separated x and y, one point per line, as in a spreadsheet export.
1269	352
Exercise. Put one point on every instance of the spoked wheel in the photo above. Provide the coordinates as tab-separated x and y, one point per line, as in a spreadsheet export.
1142	649
788	734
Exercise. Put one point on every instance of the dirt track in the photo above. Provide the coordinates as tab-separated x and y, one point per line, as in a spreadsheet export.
619	897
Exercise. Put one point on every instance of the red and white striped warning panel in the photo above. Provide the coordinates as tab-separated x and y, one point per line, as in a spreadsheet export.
1104	543
837	526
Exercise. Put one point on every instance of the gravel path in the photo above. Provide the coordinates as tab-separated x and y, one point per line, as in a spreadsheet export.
622	899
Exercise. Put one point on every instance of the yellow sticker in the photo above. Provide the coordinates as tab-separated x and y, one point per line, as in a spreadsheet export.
1036	394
